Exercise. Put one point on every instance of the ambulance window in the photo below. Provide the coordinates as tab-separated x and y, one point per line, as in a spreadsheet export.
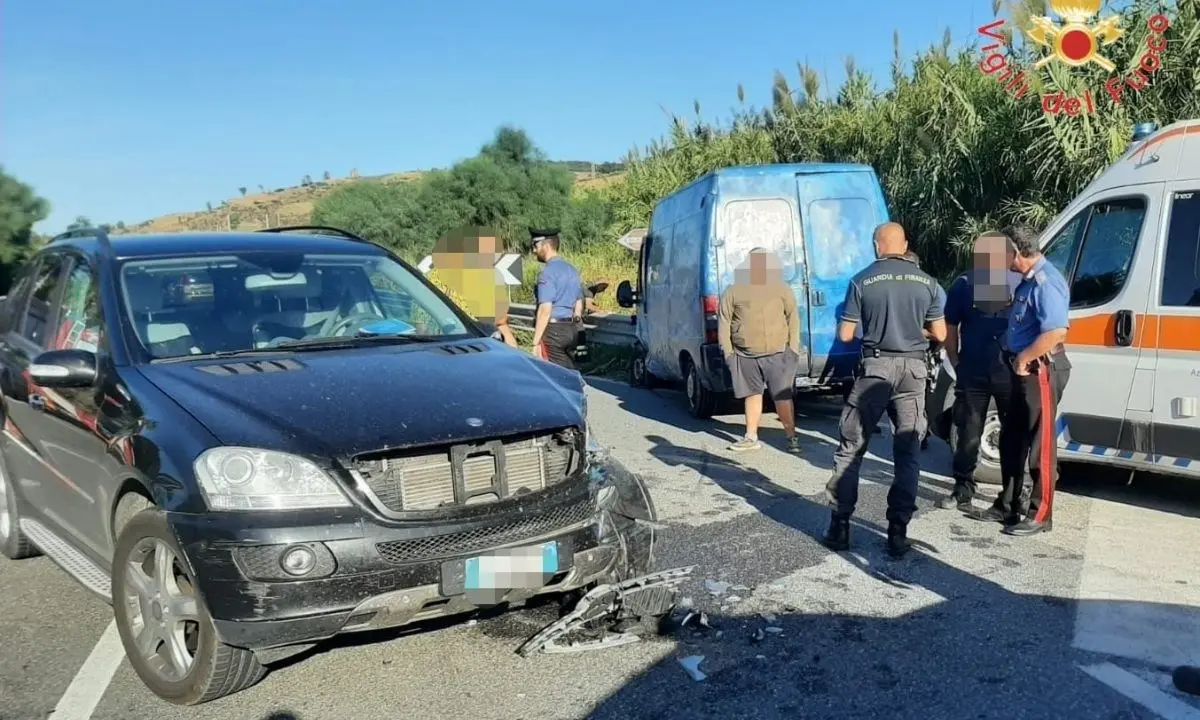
1064	248
1181	264
1108	245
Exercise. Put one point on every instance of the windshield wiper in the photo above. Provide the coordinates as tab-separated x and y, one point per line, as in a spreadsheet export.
313	344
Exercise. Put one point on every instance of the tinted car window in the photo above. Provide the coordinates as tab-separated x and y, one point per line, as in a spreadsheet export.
1181	266
79	321
41	301
1108	247
203	304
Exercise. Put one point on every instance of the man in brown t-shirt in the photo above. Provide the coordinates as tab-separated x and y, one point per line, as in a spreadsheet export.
759	332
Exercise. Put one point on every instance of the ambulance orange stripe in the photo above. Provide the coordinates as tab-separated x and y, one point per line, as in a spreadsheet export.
1164	332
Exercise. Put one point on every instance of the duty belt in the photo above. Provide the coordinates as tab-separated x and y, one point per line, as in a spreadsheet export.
877	353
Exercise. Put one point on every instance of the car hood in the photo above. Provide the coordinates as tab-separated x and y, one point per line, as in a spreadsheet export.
338	403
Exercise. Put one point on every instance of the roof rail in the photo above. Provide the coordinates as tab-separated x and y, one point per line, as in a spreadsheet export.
322	228
99	233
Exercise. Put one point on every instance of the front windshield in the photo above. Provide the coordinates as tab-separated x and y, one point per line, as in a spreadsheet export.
260	300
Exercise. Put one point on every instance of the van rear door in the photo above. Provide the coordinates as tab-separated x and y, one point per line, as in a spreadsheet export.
745	223
839	212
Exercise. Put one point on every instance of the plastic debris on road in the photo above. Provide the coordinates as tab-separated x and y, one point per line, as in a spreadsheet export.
611	615
691	665
716	587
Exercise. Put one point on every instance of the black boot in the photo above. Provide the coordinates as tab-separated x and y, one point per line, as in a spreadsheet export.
897	540
958	499
838	536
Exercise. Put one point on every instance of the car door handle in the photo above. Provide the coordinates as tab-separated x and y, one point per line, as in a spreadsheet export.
37	402
818	298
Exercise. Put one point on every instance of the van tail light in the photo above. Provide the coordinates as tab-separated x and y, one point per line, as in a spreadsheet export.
710	304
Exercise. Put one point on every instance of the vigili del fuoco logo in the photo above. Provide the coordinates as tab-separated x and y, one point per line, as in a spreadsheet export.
1077	38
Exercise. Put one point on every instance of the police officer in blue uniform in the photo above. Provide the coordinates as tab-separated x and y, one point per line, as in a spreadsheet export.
1037	360
894	301
559	302
977	308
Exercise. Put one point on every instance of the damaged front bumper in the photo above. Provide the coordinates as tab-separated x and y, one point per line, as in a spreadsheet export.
602	529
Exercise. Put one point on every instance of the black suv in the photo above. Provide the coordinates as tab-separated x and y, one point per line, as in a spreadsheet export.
251	442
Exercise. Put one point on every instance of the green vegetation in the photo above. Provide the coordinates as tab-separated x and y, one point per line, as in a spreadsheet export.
955	151
20	209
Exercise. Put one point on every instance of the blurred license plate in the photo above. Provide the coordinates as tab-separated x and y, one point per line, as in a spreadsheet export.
515	568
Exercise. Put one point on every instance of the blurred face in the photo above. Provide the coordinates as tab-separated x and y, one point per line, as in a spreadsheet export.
991	261
466	265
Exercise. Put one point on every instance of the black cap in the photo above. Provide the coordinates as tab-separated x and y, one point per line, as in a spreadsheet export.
535	234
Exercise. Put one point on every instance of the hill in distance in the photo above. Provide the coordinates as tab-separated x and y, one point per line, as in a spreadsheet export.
294	205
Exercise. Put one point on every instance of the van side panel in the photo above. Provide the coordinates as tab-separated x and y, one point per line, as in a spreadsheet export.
675	328
840	211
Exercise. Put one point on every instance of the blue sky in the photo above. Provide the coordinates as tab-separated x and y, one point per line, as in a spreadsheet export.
124	109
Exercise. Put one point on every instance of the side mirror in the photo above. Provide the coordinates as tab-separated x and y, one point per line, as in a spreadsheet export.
626	297
64	369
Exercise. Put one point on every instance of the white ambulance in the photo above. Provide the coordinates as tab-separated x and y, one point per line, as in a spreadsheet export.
1129	245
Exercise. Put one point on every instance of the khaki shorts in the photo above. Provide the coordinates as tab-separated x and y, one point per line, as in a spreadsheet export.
774	373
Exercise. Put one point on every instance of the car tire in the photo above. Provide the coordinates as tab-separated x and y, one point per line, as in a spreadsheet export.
13	543
167	592
639	373
702	402
987	471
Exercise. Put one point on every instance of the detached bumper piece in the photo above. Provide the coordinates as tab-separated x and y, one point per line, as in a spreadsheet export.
597	619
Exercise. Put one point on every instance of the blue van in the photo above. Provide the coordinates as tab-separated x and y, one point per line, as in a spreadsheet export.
819	219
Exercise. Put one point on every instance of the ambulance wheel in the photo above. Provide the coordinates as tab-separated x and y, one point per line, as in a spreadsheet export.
639	374
702	402
987	472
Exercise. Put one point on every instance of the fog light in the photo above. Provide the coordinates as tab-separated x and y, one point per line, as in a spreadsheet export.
298	561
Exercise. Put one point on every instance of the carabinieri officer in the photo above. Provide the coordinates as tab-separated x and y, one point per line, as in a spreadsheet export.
893	300
559	302
1037	328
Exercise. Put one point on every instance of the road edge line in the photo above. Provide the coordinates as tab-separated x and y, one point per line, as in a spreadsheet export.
94	676
1141	692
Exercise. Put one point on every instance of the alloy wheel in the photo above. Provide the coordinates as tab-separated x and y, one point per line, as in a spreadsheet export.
162	608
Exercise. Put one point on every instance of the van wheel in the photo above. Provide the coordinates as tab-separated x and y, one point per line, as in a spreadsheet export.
702	402
13	544
167	632
987	472
639	374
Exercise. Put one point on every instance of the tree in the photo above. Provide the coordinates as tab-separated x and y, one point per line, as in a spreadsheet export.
327	176
208	205
20	210
242	190
260	188
79	223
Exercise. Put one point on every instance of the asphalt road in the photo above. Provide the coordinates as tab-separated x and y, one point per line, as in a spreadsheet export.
1085	622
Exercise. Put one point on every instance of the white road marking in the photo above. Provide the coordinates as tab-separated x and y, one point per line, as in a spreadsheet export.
1141	692
92	680
1138	595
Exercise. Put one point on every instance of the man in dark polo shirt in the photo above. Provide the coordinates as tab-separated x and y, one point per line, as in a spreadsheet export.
894	302
977	307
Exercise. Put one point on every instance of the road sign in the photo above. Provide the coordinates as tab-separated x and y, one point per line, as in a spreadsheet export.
508	266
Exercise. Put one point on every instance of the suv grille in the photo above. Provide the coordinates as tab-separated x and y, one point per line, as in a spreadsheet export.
398	552
427	481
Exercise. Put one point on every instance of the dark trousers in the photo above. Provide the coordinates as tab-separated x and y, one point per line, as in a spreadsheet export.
560	339
1028	447
971	400
897	385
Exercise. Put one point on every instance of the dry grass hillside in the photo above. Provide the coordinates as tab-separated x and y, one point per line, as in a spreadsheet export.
289	206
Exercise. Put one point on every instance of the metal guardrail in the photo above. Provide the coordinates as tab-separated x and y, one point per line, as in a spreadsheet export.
606	329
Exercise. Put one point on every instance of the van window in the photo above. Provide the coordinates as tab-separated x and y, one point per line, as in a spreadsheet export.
1181	261
762	222
1108	246
657	256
